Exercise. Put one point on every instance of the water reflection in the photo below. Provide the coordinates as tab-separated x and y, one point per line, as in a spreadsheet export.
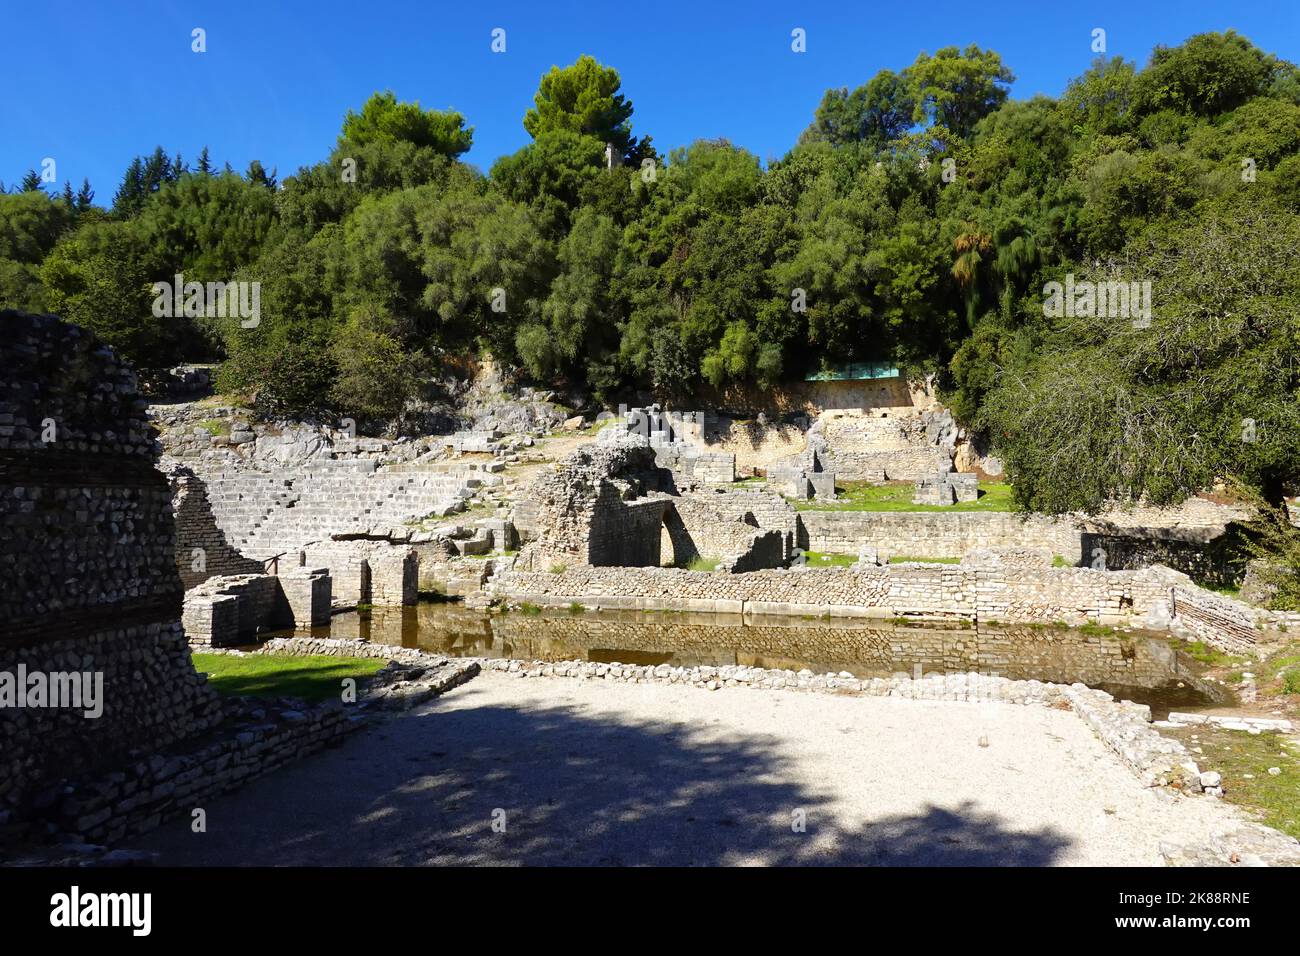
1135	665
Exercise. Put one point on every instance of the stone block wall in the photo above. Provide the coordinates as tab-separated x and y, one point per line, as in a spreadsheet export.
1072	595
936	534
869	448
87	556
227	610
1204	560
202	549
599	507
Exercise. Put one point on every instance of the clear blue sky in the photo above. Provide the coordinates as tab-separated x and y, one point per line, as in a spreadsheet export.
92	83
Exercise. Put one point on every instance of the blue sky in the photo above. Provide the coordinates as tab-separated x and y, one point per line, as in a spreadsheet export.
95	82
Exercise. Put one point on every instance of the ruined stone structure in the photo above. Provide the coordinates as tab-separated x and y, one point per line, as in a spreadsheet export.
946	488
202	549
933	534
871	448
976	593
601	507
677	441
87	556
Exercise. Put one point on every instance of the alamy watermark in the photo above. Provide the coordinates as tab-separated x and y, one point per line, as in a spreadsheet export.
1086	299
72	690
213	300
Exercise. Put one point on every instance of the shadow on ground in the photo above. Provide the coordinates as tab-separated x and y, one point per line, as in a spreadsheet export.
427	789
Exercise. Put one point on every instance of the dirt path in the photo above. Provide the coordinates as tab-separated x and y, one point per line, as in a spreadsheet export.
595	773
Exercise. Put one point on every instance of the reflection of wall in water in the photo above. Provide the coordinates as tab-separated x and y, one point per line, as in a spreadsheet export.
864	648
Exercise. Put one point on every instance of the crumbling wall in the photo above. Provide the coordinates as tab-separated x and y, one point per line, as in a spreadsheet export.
871	448
87	556
934	534
202	549
588	510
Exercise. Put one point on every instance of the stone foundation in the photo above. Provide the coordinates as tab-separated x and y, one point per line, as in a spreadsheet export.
996	593
87	556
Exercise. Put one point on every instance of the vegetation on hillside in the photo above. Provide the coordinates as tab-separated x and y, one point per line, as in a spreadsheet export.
918	220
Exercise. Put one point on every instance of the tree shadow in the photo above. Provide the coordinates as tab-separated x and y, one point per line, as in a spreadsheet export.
428	788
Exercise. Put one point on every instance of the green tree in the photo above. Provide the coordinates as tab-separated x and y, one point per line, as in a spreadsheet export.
385	120
583	98
956	88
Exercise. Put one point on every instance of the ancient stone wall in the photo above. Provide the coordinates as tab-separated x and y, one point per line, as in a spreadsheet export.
1207	561
87	558
599	507
202	549
932	534
728	524
869	448
1072	595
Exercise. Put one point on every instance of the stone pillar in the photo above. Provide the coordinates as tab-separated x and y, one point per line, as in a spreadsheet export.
307	592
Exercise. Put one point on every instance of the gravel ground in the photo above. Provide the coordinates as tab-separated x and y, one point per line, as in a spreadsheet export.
585	772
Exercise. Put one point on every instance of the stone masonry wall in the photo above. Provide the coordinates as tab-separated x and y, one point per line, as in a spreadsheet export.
993	593
202	550
933	534
87	559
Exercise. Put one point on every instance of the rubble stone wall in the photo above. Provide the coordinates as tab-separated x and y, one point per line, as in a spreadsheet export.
87	558
1072	595
933	534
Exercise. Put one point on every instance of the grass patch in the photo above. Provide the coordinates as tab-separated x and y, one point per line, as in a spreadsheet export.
532	610
864	496
557	568
1060	562
908	559
216	426
1243	759
314	677
1205	654
826	559
701	563
576	608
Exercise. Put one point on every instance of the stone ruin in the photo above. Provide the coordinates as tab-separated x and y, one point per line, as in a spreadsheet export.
678	443
946	488
86	553
802	478
612	503
602	506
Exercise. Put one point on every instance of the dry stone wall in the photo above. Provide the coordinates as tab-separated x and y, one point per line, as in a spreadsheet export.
87	557
934	534
1071	595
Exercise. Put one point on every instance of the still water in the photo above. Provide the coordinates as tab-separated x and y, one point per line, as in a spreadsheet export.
1134	665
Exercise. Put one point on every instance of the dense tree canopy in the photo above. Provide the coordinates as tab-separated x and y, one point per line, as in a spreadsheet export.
919	220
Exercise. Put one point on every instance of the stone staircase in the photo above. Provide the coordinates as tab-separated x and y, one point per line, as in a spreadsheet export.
268	514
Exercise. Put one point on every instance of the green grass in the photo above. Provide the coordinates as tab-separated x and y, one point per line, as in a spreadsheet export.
1205	654
823	559
864	496
315	677
1243	759
532	610
1060	562
216	426
908	559
1227	590
701	563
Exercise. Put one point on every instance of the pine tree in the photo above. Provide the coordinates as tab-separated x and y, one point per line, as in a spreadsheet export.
205	165
69	199
258	176
85	196
130	195
32	182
